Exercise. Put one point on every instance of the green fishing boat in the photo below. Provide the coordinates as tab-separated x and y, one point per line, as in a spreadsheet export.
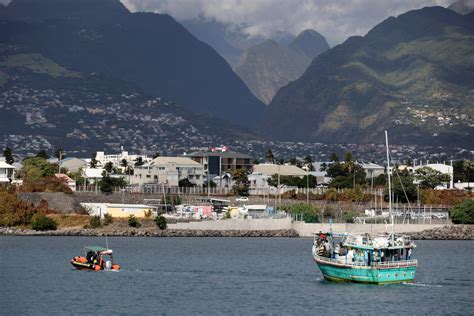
365	258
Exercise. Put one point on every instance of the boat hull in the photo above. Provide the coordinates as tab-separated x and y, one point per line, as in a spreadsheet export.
374	274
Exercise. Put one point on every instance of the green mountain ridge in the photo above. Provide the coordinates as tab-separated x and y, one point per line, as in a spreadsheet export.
412	75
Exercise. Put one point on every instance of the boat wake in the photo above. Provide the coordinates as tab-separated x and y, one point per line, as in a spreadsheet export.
422	285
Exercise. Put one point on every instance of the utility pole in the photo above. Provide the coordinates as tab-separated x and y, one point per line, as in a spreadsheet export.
307	187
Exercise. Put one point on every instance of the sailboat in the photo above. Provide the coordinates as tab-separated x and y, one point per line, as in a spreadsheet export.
366	258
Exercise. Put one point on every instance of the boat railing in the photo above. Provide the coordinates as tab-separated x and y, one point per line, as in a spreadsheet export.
388	264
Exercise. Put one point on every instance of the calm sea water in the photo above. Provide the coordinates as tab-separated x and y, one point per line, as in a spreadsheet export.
219	276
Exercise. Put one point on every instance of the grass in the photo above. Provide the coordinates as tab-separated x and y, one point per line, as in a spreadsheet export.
38	64
69	220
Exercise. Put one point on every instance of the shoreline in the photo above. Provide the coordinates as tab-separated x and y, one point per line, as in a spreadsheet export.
451	232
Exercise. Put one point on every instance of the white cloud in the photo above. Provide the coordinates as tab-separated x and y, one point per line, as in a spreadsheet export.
336	19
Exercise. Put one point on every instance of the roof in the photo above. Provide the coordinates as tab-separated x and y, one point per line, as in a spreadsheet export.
93	172
4	165
72	158
284	170
96	248
64	177
372	165
175	160
226	154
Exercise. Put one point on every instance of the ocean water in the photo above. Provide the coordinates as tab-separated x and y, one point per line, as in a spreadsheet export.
209	276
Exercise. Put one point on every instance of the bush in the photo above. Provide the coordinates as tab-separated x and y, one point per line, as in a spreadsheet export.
309	212
42	222
161	222
94	222
133	221
349	216
463	213
108	219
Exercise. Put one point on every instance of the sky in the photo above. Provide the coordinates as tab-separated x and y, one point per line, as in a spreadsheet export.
335	19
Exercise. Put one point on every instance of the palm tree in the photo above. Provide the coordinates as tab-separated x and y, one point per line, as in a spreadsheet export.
269	156
467	166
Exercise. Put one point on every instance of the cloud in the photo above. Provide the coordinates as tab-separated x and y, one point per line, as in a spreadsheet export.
336	19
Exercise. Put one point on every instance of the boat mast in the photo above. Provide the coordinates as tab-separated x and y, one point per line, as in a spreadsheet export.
389	183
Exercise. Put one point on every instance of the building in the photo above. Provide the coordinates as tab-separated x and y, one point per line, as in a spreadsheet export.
7	172
116	159
72	164
372	170
443	168
92	175
168	171
219	160
262	172
118	210
69	182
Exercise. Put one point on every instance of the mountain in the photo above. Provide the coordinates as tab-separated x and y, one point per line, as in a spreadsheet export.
462	6
412	75
229	40
151	51
268	66
310	43
44	105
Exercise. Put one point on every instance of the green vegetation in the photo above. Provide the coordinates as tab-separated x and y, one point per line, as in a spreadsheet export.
347	174
430	178
185	183
161	222
293	181
308	212
401	184
241	182
38	64
133	221
107	183
7	153
94	222
42	222
463	213
349	216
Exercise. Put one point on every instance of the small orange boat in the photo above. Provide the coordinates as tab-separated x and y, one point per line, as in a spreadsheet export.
96	258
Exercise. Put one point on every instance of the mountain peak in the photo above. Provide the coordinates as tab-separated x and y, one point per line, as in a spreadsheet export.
462	6
60	9
310	43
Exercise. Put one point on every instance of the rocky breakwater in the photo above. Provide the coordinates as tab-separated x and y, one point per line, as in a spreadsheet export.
451	232
133	232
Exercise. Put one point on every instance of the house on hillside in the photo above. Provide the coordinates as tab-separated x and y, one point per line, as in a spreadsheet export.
220	160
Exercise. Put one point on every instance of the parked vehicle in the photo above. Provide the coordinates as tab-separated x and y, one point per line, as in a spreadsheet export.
242	199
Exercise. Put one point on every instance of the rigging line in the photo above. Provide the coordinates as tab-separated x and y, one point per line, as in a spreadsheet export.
404	191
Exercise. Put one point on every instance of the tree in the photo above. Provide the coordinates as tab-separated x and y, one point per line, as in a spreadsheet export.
139	162
463	213
430	178
269	156
185	183
308	160
36	168
334	157
161	222
156	155
60	153
255	161
42	154
468	166
402	184
309	212
109	167
7	153
293	181
94	162
241	182
41	222
345	175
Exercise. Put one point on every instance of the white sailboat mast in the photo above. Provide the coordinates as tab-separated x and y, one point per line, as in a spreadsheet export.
389	183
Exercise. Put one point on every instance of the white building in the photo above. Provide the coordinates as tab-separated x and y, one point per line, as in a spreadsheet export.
7	172
168	171
116	159
443	168
262	172
372	170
